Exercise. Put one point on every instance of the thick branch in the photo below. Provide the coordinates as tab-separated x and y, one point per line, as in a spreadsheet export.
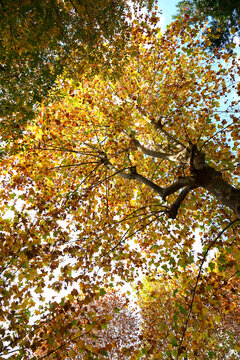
170	138
182	156
188	181
159	127
173	210
153	153
133	175
212	180
203	176
158	189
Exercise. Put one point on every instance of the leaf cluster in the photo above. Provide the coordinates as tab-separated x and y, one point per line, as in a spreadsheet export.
223	24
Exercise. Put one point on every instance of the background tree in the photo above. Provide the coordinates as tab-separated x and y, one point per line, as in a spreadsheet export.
151	156
213	326
224	20
106	327
42	39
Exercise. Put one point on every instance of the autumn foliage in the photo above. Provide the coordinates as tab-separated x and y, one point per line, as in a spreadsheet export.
213	327
114	181
41	40
106	327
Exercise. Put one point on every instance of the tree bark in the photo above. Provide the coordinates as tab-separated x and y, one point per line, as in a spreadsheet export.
203	176
212	180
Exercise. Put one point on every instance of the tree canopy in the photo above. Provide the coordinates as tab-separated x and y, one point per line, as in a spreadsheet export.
42	39
108	327
116	180
224	20
213	327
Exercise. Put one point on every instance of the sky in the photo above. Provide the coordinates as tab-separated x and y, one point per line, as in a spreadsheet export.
168	8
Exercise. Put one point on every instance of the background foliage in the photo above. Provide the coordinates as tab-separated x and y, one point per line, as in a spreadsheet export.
224	20
114	181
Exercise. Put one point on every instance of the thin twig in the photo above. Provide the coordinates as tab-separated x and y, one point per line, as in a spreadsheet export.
196	284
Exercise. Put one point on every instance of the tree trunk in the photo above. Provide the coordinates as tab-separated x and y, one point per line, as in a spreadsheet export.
212	180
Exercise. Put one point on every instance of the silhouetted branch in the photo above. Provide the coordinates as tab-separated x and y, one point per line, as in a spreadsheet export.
197	280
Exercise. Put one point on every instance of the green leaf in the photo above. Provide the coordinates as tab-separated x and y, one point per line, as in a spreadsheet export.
51	340
102	292
174	341
182	310
175	292
175	316
165	268
211	354
212	266
103	352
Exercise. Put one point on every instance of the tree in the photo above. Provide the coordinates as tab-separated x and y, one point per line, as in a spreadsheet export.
213	327
108	326
149	158
41	40
224	20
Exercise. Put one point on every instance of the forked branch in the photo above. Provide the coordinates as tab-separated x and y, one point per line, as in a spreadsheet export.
173	210
188	183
